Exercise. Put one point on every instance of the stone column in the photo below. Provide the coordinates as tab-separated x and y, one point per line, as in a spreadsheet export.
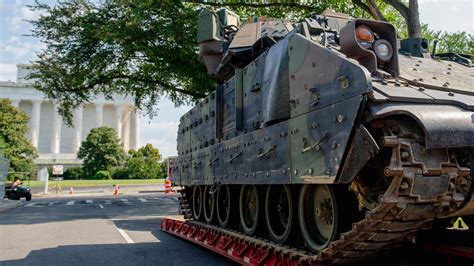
136	129
127	121
118	120
56	136
15	102
35	122
99	114
77	138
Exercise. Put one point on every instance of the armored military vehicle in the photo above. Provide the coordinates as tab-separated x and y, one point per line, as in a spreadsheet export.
330	130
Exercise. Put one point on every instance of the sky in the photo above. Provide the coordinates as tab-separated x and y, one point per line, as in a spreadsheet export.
445	15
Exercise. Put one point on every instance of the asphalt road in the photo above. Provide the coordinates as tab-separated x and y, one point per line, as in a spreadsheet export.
96	231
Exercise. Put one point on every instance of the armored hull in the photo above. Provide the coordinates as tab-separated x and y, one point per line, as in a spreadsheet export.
330	129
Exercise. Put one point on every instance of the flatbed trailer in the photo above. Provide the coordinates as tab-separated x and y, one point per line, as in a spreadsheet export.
246	250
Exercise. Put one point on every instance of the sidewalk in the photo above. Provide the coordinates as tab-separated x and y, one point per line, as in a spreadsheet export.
101	191
6	204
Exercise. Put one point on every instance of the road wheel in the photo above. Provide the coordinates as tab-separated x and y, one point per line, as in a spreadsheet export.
209	203
197	203
28	197
279	212
250	208
225	201
319	216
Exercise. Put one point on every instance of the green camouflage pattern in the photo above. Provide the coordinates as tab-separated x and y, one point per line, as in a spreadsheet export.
293	102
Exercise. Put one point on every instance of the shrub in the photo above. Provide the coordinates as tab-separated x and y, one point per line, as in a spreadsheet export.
73	173
102	175
120	173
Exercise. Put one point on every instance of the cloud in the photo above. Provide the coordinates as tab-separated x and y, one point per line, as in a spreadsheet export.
457	15
7	72
28	14
16	50
162	130
161	135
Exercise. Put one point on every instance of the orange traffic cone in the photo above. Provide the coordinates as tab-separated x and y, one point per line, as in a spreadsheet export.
167	186
71	191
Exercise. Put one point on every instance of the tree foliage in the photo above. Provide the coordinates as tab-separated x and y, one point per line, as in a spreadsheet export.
144	163
145	49
457	42
13	130
73	173
101	151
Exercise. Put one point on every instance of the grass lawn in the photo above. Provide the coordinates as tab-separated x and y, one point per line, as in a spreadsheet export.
91	183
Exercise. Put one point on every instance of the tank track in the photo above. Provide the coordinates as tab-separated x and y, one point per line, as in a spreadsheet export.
399	216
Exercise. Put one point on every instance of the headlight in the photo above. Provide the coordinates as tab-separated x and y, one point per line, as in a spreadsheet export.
383	50
364	36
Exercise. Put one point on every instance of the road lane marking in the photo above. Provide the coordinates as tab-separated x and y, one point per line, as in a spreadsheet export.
100	205
125	236
124	200
142	200
51	203
71	202
89	201
31	204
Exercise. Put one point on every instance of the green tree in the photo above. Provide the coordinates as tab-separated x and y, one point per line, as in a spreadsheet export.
457	42
16	147
101	151
144	163
146	49
73	173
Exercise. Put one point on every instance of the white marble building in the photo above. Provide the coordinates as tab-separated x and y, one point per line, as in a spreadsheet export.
56	142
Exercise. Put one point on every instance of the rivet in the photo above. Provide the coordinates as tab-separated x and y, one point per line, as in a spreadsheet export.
296	171
340	118
310	171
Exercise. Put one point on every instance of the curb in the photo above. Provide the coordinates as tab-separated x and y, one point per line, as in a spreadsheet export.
7	205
